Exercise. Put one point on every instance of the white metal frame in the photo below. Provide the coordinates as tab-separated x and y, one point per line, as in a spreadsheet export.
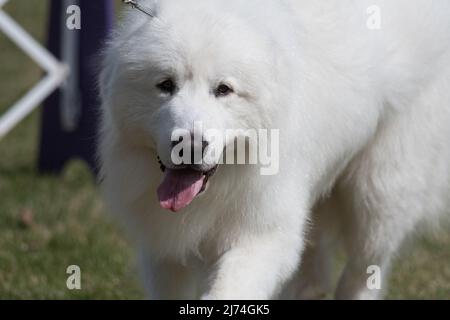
57	73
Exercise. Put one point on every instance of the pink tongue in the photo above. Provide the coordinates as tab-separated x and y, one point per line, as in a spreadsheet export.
179	188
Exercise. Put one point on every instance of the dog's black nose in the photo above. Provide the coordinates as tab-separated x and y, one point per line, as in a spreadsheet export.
197	150
175	143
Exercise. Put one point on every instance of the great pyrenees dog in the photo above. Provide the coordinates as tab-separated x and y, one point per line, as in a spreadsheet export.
359	93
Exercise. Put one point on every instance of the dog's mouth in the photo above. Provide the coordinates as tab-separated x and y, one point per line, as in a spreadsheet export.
181	186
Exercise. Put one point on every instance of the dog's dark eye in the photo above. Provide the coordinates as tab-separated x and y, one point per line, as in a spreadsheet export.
167	86
223	90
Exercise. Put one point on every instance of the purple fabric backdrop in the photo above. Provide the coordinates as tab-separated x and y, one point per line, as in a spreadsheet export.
57	147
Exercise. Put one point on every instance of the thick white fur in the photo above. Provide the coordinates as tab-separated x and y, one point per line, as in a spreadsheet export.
365	139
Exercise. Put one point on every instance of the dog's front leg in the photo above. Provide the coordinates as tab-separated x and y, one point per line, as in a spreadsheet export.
257	267
168	280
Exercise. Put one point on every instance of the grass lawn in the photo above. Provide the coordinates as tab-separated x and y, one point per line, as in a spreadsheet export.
48	223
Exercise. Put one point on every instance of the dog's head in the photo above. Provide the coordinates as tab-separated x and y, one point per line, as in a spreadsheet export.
179	80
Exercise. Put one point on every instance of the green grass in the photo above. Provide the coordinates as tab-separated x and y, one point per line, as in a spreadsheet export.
69	226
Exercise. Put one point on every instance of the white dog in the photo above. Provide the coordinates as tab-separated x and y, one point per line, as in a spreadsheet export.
360	93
